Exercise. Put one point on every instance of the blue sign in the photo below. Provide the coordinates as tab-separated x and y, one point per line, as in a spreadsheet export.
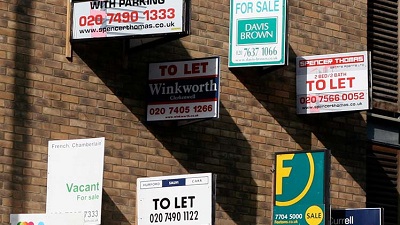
361	216
174	182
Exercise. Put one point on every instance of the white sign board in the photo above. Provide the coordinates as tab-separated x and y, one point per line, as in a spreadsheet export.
183	90
257	33
175	200
115	18
47	219
332	83
75	178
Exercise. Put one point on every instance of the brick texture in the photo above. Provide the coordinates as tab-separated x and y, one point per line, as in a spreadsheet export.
44	96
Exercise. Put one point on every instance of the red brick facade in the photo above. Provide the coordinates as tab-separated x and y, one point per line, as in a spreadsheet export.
101	93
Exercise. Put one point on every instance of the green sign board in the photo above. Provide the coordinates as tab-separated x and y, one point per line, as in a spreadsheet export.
301	192
257	33
264	31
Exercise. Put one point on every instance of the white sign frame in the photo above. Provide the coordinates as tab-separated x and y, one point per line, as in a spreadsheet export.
333	82
168	97
257	33
176	200
73	184
129	18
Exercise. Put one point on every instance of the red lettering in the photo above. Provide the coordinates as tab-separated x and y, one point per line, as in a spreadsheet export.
309	82
339	83
196	68
331	85
171	70
204	64
350	79
320	87
162	68
186	69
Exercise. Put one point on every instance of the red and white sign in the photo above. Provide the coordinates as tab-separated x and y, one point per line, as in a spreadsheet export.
116	18
332	83
183	90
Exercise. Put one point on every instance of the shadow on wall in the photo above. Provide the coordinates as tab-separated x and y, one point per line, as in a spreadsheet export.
216	146
110	212
344	133
382	190
19	110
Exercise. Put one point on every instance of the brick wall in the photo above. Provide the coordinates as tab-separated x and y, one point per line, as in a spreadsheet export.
100	93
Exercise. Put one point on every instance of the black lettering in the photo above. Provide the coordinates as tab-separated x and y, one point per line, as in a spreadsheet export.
147	2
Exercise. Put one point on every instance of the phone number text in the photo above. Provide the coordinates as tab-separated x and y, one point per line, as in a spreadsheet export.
257	51
174	216
126	17
181	109
291	216
332	97
90	214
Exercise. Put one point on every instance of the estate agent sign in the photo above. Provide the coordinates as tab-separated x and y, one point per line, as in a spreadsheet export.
75	178
332	83
257	33
301	194
183	90
357	216
176	200
119	18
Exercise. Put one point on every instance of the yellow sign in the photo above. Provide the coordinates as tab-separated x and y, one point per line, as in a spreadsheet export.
314	215
282	172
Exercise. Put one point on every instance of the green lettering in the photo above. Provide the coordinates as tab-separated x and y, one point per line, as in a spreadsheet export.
83	187
69	188
93	187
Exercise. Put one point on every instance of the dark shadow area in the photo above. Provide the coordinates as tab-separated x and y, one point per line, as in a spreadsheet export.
19	110
382	42
110	214
382	159
275	89
382	181
215	145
